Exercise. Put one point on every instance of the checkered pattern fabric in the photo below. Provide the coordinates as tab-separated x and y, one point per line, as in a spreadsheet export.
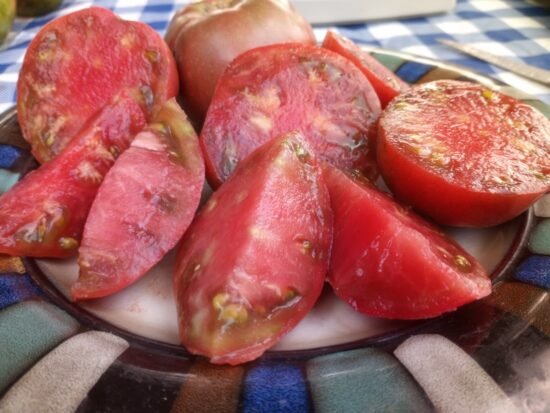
512	28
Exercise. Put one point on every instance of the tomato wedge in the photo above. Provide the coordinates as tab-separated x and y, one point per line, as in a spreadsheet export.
464	155
43	215
77	63
277	89
143	207
387	262
254	261
386	83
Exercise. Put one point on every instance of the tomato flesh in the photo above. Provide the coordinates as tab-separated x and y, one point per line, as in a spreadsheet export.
254	261
77	63
387	262
272	90
43	215
143	207
383	80
462	154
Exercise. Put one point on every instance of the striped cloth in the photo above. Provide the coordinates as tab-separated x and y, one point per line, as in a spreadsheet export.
511	28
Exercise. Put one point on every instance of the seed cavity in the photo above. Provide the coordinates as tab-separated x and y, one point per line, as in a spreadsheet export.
241	196
524	146
439	159
267	100
153	56
229	312
211	205
147	95
260	233
230	158
127	40
488	95
262	122
47	49
115	151
401	105
165	202
462	263
85	171
50	223
360	102
68	243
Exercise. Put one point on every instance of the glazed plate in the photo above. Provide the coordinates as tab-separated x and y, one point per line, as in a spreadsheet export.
121	353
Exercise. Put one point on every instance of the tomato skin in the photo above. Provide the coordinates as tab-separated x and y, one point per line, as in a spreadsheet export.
387	262
207	35
386	83
143	207
275	89
77	63
254	261
471	157
43	215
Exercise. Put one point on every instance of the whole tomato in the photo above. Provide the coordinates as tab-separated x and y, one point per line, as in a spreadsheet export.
207	35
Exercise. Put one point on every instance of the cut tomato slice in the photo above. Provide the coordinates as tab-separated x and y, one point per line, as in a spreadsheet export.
254	261
464	155
43	215
386	83
277	89
78	62
387	262
143	207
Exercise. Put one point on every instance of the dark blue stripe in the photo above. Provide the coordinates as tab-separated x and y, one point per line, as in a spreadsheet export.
16	288
432	39
533	11
158	25
39	22
412	71
9	155
275	388
471	14
540	61
506	35
159	8
535	270
22	45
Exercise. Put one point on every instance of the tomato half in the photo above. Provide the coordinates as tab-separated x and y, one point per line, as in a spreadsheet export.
276	89
387	262
207	35
254	261
80	61
43	215
143	207
386	83
463	154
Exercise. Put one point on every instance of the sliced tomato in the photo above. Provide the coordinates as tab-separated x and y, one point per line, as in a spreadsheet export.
276	89
206	35
386	83
78	62
43	215
254	261
143	207
387	262
463	154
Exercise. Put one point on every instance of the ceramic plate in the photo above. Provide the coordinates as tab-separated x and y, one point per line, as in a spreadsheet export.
121	354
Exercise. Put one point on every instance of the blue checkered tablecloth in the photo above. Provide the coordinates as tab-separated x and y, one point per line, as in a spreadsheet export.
512	28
